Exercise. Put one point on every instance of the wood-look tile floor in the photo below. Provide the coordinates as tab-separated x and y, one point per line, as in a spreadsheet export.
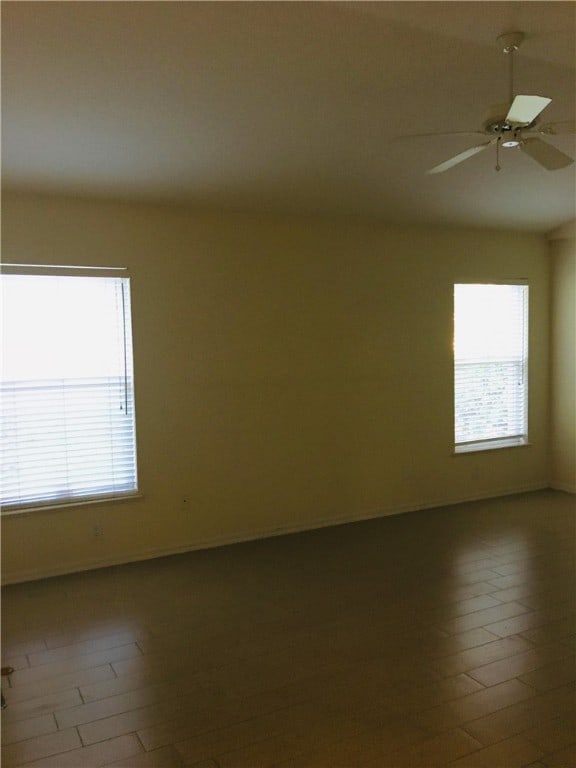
437	638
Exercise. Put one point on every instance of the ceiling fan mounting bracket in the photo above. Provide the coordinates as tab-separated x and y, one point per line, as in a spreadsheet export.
510	41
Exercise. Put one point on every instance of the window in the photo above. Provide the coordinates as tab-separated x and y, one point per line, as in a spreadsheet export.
490	366
67	396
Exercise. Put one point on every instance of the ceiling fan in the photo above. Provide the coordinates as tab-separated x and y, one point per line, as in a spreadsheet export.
514	124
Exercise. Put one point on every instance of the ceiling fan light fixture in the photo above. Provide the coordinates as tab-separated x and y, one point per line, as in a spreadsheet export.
511	143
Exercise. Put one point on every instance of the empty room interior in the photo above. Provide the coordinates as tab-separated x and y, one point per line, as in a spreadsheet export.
288	384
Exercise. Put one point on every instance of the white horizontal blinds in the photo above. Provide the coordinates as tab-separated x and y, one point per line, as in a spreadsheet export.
491	357
67	395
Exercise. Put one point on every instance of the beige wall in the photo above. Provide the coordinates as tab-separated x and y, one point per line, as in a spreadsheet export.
563	348
290	373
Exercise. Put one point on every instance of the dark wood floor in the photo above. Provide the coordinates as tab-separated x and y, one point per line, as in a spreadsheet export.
439	638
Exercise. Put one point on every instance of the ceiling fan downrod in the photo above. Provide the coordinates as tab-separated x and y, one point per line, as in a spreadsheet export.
509	43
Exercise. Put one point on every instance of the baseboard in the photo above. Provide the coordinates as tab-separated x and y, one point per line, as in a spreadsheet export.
257	534
563	487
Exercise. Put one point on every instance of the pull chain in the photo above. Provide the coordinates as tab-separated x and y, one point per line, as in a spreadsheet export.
498	167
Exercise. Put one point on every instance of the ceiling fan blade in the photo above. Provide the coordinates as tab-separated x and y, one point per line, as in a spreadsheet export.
555	129
545	154
442	133
447	164
525	109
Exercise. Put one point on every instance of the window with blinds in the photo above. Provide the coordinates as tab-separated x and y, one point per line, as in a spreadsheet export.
490	366
67	392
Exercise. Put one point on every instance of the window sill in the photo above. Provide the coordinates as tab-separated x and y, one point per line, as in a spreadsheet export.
51	507
496	445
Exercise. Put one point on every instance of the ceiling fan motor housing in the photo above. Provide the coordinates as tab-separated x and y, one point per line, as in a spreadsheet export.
496	123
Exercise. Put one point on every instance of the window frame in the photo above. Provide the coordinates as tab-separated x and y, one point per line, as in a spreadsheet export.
495	443
65	501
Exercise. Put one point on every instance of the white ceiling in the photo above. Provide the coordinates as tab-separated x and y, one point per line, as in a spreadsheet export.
285	106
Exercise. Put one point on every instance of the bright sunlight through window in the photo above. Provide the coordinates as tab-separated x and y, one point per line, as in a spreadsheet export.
490	366
67	395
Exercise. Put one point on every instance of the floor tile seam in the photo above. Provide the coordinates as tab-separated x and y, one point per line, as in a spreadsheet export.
560	659
486	626
163	718
489	746
82	746
418	710
111	696
479	557
542	691
555	603
195	668
79	689
530	697
439	684
500	604
362	731
200	733
510	618
136	734
453	617
44	633
79	735
231	702
545	663
171	697
540	718
532	739
74	655
559	605
565	610
53	678
539	554
114	759
452	653
570	746
404	751
553	756
568	640
523	634
84	656
46	711
22	633
105	717
8	651
234	664
53	754
145	684
86	640
458	654
27	738
218	754
521	570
